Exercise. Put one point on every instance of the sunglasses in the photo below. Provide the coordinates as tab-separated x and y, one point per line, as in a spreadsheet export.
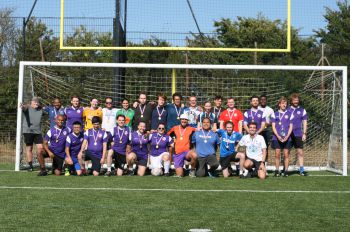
161	128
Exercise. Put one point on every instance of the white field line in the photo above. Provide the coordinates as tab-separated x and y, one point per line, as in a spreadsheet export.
179	190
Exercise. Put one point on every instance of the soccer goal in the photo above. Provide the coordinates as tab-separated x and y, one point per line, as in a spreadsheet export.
323	93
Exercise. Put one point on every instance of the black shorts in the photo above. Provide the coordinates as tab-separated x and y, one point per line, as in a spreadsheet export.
225	162
297	141
141	161
30	138
256	164
57	163
96	165
119	160
267	136
276	144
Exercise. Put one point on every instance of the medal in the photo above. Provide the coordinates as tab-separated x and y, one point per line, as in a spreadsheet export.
56	140
158	141
227	146
182	133
205	136
205	141
95	138
142	110
177	112
157	146
231	115
120	141
95	143
159	118
120	135
160	113
253	120
141	115
178	118
181	138
280	123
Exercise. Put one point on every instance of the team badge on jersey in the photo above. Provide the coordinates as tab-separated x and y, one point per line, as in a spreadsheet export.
163	138
64	132
78	111
259	116
286	116
100	135
298	112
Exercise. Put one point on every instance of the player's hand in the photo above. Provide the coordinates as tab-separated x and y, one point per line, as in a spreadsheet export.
102	161
51	155
262	166
303	137
69	161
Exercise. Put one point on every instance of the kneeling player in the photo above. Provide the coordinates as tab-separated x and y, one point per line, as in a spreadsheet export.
57	136
255	150
160	154
182	135
228	154
73	146
120	146
95	142
139	150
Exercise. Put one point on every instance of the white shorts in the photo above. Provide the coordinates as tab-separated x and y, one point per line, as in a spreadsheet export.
157	161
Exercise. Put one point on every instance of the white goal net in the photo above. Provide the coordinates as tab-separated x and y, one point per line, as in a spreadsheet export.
323	94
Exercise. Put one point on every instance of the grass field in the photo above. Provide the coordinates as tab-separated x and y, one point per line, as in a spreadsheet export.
314	203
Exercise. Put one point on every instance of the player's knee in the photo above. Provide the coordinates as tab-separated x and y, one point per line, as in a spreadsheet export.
57	172
95	173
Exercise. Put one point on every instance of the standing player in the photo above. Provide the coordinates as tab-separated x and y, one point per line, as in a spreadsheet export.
139	150
143	112
206	142
161	151
120	146
174	111
267	132
233	115
31	127
159	114
73	146
282	128
254	115
193	111
299	129
207	114
218	109
90	112
127	112
57	136
182	135
228	153
95	145
109	115
54	110
74	113
255	150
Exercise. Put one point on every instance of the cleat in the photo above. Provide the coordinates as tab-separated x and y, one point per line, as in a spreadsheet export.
212	175
66	172
285	174
42	173
30	169
131	173
277	174
192	173
108	174
303	174
166	174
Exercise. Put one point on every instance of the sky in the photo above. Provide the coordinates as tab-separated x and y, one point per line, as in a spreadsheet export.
174	16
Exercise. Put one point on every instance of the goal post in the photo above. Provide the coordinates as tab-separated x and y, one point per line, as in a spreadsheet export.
327	138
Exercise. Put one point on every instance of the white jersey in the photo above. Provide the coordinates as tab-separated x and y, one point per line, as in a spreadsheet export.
109	119
267	113
254	146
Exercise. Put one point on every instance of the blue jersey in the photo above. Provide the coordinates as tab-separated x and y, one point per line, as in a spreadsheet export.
228	142
53	113
211	116
206	142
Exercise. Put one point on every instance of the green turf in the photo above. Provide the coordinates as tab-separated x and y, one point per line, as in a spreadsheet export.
120	210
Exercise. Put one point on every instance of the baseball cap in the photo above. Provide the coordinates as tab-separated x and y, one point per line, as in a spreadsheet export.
184	116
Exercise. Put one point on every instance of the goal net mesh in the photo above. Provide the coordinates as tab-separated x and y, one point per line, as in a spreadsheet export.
321	95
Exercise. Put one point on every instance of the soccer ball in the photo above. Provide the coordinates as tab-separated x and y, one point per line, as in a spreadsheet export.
157	172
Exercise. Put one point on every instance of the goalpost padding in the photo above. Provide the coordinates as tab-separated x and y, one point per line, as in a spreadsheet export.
340	147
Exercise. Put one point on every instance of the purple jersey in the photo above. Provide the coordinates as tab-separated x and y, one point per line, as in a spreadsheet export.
299	114
74	142
121	138
139	144
159	143
254	116
73	115
57	140
282	121
95	139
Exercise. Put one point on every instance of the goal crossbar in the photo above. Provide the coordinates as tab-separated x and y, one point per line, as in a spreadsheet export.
342	69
